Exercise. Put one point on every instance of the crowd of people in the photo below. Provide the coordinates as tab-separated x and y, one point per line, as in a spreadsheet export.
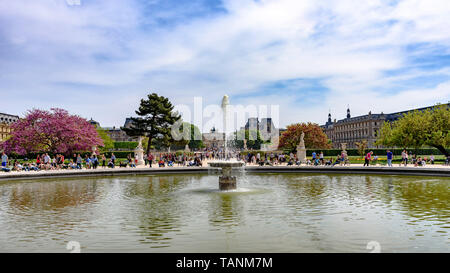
272	159
78	162
199	159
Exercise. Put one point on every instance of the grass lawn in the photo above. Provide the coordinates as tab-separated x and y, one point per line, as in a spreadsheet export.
382	160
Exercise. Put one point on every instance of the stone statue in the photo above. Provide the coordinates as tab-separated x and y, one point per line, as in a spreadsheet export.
186	148
301	149
139	151
344	152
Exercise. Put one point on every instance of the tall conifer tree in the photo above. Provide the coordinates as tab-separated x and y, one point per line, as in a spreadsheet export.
155	119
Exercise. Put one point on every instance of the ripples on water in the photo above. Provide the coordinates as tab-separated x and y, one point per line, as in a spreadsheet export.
268	213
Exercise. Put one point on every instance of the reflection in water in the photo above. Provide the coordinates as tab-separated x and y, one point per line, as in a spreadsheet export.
425	198
155	210
52	196
271	213
225	210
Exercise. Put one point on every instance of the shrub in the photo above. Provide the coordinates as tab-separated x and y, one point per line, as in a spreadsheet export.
126	145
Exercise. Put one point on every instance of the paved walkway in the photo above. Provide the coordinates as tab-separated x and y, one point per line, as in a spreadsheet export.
353	168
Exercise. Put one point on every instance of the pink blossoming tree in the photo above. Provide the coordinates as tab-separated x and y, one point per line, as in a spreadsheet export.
54	131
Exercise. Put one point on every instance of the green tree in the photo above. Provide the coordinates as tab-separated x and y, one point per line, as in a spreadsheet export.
315	138
108	144
253	138
362	146
155	120
189	134
417	129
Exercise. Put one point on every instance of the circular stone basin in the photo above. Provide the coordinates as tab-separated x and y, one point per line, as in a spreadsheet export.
225	164
226	181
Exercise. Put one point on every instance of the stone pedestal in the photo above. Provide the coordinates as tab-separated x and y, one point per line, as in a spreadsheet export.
301	154
343	153
227	183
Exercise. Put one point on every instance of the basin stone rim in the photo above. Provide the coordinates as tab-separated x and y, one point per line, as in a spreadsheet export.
226	164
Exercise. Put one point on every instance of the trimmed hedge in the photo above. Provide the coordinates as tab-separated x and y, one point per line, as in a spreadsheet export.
354	152
128	145
118	154
327	153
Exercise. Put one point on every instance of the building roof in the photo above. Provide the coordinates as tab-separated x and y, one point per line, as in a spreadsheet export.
7	118
388	117
9	115
364	117
111	129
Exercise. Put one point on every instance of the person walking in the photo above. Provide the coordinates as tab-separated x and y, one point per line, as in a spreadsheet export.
103	161
389	155
113	159
404	158
432	159
87	160
150	160
368	158
79	162
95	162
4	160
38	161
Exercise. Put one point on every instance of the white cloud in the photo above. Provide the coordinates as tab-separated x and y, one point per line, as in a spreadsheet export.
120	53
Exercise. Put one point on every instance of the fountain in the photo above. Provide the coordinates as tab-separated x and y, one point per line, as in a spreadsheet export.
226	181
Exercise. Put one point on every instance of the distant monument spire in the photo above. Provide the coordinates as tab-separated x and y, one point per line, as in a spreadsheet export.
329	116
348	111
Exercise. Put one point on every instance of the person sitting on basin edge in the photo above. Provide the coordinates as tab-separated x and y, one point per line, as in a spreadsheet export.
161	163
290	162
338	160
132	164
316	162
111	164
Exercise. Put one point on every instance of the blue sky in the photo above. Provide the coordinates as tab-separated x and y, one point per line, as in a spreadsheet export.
99	58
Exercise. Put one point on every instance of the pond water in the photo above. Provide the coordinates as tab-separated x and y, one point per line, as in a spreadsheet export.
186	213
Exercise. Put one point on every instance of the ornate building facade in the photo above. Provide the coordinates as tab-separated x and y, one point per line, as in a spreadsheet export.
213	139
356	129
5	121
117	134
265	127
351	130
